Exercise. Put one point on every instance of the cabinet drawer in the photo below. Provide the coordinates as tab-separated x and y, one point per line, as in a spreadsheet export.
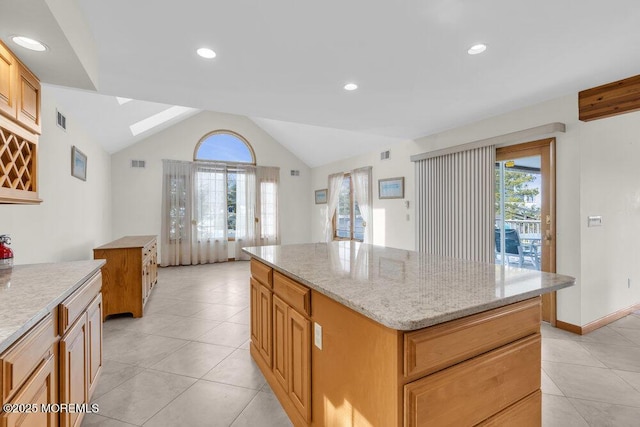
437	347
24	357
473	391
73	306
294	294
525	413
262	273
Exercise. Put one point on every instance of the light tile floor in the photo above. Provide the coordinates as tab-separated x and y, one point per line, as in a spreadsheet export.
187	363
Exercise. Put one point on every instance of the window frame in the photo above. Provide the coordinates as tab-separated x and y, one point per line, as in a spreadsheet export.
352	214
229	132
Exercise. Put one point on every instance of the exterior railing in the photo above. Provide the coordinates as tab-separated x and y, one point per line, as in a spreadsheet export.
524	226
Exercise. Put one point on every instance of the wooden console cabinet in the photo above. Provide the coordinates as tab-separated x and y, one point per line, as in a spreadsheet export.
57	361
129	275
20	125
482	369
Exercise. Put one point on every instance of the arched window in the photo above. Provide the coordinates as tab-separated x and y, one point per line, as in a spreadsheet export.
224	146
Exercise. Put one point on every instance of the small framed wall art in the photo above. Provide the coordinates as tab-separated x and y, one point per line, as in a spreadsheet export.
78	164
391	188
321	196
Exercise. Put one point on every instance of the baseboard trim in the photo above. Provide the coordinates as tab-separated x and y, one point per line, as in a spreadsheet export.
599	323
569	327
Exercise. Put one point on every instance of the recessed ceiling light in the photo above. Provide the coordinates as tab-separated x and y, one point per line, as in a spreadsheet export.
477	48
28	43
207	53
350	86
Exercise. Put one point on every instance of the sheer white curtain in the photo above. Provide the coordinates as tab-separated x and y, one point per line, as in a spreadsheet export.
245	210
210	214
335	183
175	235
362	192
267	215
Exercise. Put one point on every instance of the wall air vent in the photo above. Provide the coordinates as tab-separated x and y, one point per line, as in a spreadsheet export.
138	163
385	155
61	120
295	172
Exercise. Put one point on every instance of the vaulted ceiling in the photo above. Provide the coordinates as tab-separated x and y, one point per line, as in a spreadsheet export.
285	62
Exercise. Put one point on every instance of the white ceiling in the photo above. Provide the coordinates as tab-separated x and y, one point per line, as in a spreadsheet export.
105	119
285	61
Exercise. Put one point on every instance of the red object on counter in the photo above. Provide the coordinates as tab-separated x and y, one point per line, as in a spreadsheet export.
6	254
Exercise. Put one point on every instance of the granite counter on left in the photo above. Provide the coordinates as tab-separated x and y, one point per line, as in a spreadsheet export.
29	292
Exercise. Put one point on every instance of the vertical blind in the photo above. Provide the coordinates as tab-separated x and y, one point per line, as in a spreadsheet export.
455	204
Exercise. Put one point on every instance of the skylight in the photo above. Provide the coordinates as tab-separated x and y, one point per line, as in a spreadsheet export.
158	119
123	101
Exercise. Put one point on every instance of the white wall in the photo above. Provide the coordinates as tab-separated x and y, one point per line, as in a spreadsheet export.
137	193
597	174
75	216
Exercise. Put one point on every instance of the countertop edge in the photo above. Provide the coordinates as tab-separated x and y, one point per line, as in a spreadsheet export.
11	339
418	324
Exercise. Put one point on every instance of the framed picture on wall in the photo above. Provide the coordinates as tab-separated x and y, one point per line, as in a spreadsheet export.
78	164
391	188
321	196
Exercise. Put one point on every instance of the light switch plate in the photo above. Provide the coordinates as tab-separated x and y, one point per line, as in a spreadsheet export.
594	221
317	335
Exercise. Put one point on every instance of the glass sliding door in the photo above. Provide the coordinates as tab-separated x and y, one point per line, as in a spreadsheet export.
518	207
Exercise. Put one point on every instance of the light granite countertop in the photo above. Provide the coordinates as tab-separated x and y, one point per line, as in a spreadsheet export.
405	290
29	292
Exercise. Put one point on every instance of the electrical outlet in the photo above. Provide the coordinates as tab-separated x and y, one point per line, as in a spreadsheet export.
317	335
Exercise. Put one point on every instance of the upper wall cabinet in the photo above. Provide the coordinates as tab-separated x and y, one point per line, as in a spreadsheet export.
7	82
19	130
28	102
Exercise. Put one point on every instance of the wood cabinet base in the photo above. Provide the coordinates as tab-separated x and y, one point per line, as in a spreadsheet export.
482	369
278	390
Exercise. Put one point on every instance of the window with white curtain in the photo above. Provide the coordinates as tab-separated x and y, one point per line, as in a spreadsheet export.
211	193
347	220
352	218
267	207
218	198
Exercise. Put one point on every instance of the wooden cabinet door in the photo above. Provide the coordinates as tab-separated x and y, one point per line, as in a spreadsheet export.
265	337
28	113
7	83
255	311
94	342
39	390
73	370
280	350
299	355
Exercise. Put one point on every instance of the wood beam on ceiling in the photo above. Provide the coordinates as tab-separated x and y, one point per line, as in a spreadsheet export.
622	96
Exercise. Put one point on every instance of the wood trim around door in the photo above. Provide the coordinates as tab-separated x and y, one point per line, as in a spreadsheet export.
546	149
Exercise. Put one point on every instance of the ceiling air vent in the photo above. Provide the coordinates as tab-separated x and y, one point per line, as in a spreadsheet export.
295	172
61	120
137	163
385	155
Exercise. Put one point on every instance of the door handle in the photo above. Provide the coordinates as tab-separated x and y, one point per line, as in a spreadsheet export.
548	237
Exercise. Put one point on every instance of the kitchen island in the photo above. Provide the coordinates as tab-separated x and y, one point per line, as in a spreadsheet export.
351	334
50	341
